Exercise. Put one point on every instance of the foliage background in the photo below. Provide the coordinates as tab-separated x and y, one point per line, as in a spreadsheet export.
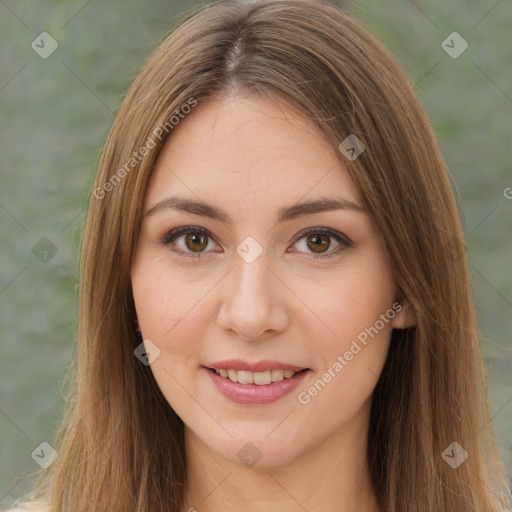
55	114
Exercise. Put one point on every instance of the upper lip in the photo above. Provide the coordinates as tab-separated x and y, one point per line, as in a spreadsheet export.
260	366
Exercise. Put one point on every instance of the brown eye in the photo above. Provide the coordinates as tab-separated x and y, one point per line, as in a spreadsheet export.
318	243
196	242
188	241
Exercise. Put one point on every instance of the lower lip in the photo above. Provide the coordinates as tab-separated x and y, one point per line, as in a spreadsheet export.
250	394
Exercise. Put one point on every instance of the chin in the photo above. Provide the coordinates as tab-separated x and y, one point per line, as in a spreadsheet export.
258	451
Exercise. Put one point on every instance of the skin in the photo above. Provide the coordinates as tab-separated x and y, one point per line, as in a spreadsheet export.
250	157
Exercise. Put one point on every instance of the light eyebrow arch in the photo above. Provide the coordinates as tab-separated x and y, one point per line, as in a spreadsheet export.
286	213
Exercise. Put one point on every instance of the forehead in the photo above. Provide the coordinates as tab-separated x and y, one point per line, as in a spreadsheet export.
249	150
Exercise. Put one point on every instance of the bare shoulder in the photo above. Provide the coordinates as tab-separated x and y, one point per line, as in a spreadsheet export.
30	508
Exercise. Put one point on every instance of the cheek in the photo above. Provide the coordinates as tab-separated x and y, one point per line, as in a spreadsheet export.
353	299
170	307
356	308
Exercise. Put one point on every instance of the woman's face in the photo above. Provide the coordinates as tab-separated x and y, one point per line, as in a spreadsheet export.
257	278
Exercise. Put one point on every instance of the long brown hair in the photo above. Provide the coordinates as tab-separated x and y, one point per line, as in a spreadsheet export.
121	445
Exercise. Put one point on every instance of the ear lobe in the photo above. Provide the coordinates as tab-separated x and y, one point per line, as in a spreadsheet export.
404	318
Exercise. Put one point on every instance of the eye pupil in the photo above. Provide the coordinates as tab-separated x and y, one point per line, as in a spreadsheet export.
194	239
324	240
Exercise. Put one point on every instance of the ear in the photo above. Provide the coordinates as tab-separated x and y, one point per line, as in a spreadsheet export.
405	316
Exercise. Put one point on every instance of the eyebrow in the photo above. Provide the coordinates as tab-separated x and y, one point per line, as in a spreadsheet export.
286	213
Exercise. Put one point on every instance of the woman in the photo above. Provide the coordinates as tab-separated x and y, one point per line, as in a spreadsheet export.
275	311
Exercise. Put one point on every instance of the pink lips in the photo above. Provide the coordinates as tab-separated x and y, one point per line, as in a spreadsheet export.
250	394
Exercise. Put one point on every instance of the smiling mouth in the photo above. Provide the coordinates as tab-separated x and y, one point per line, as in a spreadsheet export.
258	378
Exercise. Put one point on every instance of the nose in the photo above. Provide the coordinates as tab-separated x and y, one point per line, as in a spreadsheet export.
253	298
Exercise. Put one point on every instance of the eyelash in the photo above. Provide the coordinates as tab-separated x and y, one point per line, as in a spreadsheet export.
169	237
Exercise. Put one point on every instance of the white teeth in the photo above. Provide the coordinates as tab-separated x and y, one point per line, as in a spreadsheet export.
258	378
277	375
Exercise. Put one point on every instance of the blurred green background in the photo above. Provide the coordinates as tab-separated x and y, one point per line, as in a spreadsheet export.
56	112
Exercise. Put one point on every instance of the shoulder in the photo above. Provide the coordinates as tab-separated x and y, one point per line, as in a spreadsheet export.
27	510
30	508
